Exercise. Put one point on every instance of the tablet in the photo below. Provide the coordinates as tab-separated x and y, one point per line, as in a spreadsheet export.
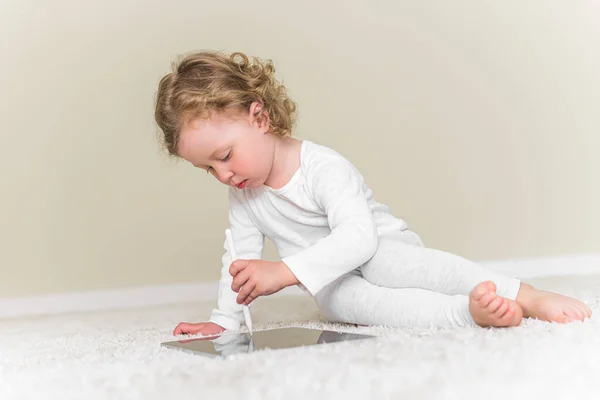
235	343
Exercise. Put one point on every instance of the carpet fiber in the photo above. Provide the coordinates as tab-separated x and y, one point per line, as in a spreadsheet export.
116	355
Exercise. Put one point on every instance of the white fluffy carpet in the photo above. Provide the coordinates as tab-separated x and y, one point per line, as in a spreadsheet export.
116	355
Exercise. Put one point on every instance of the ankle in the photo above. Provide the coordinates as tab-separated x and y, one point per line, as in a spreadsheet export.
525	297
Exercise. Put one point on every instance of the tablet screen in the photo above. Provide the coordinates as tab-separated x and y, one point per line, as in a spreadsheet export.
283	338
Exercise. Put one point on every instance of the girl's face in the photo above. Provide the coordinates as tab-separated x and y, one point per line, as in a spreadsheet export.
237	151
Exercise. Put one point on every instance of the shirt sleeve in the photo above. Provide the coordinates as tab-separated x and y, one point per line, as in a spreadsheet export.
338	188
249	243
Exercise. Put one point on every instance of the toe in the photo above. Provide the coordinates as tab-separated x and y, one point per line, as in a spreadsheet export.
490	286
513	315
571	311
482	289
487	300
479	291
581	311
495	304
517	315
509	313
502	309
563	319
580	308
585	310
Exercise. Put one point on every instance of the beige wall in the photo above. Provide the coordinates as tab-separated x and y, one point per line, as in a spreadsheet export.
477	122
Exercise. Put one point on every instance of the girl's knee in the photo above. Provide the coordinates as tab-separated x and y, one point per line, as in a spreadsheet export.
320	299
388	257
335	300
323	301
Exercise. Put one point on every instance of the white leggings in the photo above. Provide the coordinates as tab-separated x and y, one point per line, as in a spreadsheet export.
406	284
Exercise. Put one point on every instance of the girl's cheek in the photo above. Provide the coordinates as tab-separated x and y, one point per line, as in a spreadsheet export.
246	164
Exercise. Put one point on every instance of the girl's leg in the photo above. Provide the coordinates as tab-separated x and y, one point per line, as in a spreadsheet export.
397	264
352	299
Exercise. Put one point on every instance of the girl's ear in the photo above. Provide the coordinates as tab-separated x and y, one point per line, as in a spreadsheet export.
259	115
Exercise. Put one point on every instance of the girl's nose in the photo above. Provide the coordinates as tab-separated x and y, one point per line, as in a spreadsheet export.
224	175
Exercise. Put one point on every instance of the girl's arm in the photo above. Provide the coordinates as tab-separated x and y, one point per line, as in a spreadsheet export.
249	243
338	188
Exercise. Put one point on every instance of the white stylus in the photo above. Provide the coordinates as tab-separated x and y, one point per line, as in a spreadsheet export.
231	249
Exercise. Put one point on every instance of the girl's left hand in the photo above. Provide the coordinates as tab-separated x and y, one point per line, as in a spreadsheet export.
259	278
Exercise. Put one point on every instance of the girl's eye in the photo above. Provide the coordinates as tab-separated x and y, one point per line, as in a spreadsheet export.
227	157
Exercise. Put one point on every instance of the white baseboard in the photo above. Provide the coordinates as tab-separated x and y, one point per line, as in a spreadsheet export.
573	264
580	264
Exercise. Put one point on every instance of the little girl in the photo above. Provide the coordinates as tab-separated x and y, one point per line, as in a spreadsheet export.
231	117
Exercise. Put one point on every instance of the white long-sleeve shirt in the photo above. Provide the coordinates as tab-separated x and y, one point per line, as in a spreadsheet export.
324	223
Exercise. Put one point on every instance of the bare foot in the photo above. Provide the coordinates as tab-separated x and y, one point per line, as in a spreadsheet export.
489	309
549	306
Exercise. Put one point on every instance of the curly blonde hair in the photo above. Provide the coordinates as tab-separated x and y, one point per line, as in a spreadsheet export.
210	81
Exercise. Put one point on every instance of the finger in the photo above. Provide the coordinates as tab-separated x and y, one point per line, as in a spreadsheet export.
180	328
252	296
240	280
245	292
188	328
237	266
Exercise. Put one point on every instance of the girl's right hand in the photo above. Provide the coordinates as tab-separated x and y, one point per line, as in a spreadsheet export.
203	328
